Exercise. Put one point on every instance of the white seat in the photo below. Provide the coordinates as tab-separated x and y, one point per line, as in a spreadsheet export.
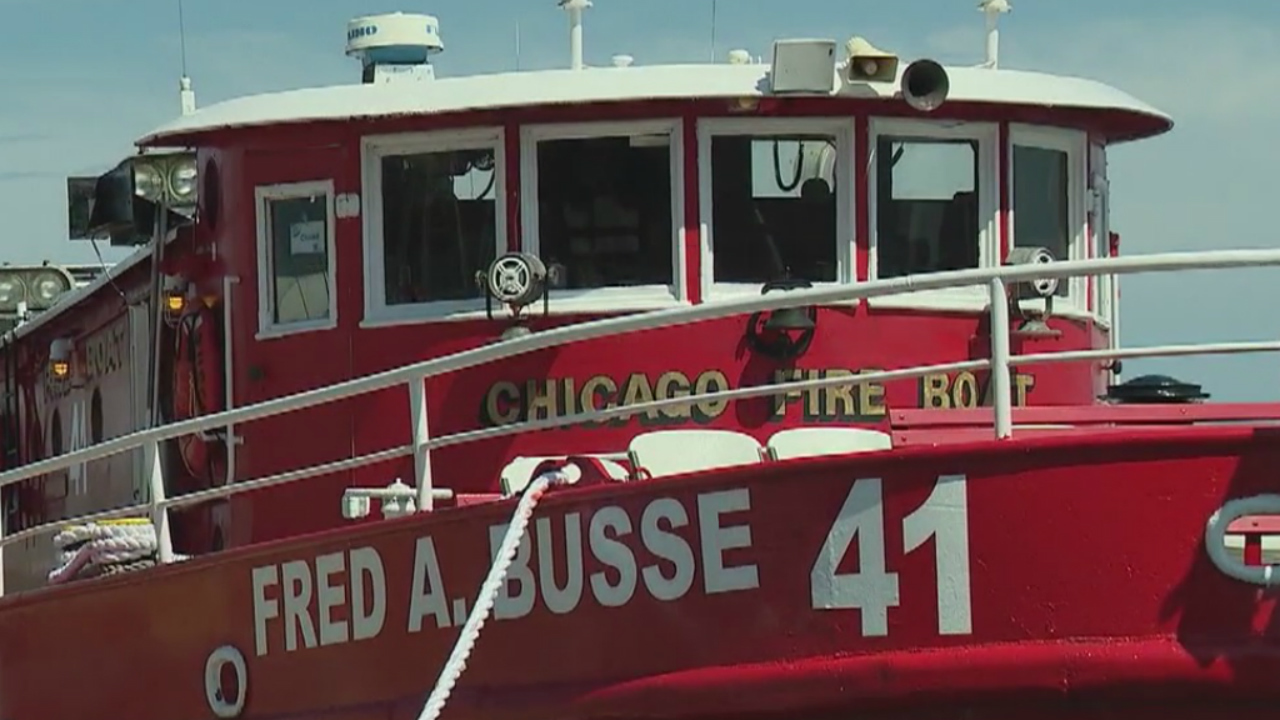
674	452
517	474
815	441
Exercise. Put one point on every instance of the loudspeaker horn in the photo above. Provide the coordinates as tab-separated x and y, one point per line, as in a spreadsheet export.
868	63
925	85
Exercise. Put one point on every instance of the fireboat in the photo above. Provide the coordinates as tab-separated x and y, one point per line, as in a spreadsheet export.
749	388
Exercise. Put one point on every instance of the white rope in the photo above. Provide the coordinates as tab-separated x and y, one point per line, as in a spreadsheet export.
457	661
99	544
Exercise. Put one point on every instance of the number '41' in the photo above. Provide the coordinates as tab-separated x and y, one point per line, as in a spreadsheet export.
873	590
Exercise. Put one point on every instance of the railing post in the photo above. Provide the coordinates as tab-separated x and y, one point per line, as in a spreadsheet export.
1001	378
159	512
421	455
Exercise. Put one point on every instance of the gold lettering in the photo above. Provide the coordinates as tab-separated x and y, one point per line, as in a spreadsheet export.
502	404
541	399
933	391
636	391
964	390
708	382
569	392
783	399
813	396
598	393
1022	386
674	384
871	396
838	399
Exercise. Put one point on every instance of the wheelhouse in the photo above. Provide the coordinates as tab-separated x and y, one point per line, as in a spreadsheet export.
325	234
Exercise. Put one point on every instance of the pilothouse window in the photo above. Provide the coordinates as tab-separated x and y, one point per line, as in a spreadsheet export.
1040	196
605	210
434	218
928	214
295	257
1048	186
439	224
601	206
773	208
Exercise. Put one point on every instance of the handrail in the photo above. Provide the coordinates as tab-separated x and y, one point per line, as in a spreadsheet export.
592	330
415	374
601	414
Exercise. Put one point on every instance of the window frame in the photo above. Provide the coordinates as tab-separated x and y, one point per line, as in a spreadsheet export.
268	328
375	148
842	128
987	135
636	297
1075	144
1098	202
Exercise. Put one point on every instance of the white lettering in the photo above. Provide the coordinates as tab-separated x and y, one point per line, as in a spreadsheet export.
614	554
264	608
872	589
366	571
507	606
945	517
558	578
716	539
296	579
668	546
330	596
560	600
306	614
338	597
428	589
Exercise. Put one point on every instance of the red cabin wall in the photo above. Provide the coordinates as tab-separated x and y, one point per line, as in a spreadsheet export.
849	339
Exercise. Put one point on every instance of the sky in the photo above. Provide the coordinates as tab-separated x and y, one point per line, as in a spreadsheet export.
80	80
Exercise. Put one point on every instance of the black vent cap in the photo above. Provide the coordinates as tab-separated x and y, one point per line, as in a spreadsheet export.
1155	389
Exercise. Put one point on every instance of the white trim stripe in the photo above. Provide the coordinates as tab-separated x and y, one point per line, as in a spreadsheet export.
552	87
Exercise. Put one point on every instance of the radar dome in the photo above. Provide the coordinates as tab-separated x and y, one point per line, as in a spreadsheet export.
394	46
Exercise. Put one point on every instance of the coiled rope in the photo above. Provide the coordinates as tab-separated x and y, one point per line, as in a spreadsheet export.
103	547
506	554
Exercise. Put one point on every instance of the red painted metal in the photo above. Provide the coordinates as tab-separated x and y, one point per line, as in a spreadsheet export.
1059	617
1091	595
1261	524
1098	414
692	220
1253	549
862	202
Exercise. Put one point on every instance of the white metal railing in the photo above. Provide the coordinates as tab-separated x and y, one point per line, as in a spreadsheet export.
1000	362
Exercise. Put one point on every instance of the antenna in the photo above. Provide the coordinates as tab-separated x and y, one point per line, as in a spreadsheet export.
517	45
993	10
713	30
186	96
575	8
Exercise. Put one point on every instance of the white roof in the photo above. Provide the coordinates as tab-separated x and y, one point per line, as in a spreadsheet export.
612	84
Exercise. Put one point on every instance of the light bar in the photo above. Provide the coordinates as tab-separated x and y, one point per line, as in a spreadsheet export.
39	286
122	203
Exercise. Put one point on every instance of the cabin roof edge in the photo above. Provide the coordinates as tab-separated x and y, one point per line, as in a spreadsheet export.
640	83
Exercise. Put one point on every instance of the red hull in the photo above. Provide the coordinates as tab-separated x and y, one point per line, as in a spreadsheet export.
1088	587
